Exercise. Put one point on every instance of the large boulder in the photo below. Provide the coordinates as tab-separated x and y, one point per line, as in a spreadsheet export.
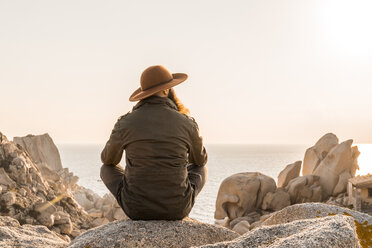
313	210
308	225
315	154
241	194
12	234
42	149
129	233
276	200
290	172
304	189
332	231
333	169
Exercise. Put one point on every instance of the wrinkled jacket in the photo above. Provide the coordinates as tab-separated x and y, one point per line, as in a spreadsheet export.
159	142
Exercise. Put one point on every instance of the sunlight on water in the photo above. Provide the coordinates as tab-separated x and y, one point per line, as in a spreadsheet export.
365	159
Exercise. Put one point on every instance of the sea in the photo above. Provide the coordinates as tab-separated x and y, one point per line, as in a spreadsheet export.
223	161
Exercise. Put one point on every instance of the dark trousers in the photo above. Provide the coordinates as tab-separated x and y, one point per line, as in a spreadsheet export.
112	177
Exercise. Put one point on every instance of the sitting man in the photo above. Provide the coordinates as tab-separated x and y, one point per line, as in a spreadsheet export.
164	153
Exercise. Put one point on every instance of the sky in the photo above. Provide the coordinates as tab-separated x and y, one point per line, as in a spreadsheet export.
260	71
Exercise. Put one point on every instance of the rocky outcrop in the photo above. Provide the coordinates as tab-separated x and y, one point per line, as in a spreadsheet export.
12	234
33	200
42	150
304	189
308	225
332	231
290	172
241	194
128	233
313	210
327	168
337	167
315	154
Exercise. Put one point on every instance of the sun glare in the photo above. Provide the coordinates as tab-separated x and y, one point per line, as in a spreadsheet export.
347	25
365	159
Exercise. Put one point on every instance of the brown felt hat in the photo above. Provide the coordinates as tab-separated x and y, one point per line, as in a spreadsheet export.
154	79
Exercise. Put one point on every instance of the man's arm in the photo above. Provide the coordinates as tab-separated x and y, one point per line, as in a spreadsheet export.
197	154
113	151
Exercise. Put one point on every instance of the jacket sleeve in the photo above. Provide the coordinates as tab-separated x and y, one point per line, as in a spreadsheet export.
113	151
197	154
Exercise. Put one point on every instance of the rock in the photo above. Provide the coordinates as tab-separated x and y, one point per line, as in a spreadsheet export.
81	197
61	218
22	192
330	231
313	210
276	200
304	189
342	158
341	185
33	193
314	155
12	234
128	233
100	221
42	149
8	199
241	194
75	232
6	180
237	220
119	214
290	172
66	228
96	213
242	227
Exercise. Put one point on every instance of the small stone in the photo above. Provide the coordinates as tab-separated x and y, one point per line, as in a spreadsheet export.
9	198
22	192
75	232
66	228
242	227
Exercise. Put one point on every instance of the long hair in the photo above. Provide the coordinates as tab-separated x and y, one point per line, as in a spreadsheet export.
181	108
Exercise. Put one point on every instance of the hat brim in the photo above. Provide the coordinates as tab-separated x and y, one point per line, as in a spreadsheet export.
140	94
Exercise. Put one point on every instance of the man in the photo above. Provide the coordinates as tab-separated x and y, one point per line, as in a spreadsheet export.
165	157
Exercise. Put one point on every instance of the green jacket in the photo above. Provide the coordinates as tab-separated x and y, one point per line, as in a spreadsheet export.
159	143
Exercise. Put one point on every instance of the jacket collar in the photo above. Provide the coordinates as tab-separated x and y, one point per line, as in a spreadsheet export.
156	100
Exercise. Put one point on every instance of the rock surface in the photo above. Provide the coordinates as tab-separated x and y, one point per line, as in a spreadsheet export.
304	189
12	234
128	233
42	149
331	231
342	158
29	198
290	172
315	154
276	200
241	194
313	210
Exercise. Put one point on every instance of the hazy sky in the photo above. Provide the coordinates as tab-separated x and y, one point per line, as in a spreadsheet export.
263	71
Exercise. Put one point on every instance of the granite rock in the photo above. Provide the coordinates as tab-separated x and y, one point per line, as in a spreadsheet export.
12	234
129	233
241	194
331	231
288	173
